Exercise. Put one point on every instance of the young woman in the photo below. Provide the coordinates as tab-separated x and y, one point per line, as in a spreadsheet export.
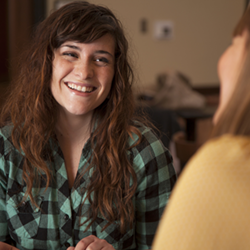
210	207
77	170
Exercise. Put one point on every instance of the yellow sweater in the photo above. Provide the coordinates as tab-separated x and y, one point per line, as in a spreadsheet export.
210	205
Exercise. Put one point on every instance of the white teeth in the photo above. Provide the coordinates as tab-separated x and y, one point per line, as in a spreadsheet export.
79	88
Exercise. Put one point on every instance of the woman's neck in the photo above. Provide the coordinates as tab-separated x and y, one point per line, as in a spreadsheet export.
73	128
72	134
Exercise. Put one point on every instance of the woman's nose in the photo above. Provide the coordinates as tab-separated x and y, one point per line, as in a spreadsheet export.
84	70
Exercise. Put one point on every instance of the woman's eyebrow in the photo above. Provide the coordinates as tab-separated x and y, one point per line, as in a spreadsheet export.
103	52
72	47
97	52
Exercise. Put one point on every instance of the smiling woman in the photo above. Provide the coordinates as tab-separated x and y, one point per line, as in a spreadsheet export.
78	169
83	74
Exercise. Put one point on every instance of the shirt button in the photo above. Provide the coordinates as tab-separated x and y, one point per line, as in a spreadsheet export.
66	217
67	244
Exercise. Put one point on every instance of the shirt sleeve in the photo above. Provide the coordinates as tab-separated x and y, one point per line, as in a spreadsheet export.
4	235
5	149
156	178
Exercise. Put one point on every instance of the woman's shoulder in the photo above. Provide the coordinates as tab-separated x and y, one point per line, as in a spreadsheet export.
146	133
148	146
5	130
224	149
219	158
5	139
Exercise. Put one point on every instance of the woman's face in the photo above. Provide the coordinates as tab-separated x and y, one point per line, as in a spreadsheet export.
82	75
229	67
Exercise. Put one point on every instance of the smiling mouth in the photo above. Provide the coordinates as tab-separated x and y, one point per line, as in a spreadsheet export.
79	88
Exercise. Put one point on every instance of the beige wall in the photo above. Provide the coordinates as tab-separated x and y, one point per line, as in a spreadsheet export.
202	31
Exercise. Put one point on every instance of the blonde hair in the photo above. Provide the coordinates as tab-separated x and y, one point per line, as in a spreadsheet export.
235	119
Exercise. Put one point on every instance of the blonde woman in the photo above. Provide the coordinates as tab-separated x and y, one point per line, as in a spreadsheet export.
210	206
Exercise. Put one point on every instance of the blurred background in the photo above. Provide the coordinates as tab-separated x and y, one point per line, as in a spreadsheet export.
174	45
188	35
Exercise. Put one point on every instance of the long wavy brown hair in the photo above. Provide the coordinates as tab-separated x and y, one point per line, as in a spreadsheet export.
32	110
235	119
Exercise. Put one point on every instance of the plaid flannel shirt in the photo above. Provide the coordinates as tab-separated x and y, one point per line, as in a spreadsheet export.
56	224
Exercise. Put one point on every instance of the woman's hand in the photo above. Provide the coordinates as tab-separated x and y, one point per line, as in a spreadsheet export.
92	243
4	246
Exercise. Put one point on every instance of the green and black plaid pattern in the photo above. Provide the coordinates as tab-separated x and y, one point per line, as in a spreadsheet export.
56	225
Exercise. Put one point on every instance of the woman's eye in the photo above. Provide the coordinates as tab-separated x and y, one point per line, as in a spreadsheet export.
70	54
102	61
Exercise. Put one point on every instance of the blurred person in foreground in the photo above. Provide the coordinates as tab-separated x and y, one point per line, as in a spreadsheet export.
210	205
